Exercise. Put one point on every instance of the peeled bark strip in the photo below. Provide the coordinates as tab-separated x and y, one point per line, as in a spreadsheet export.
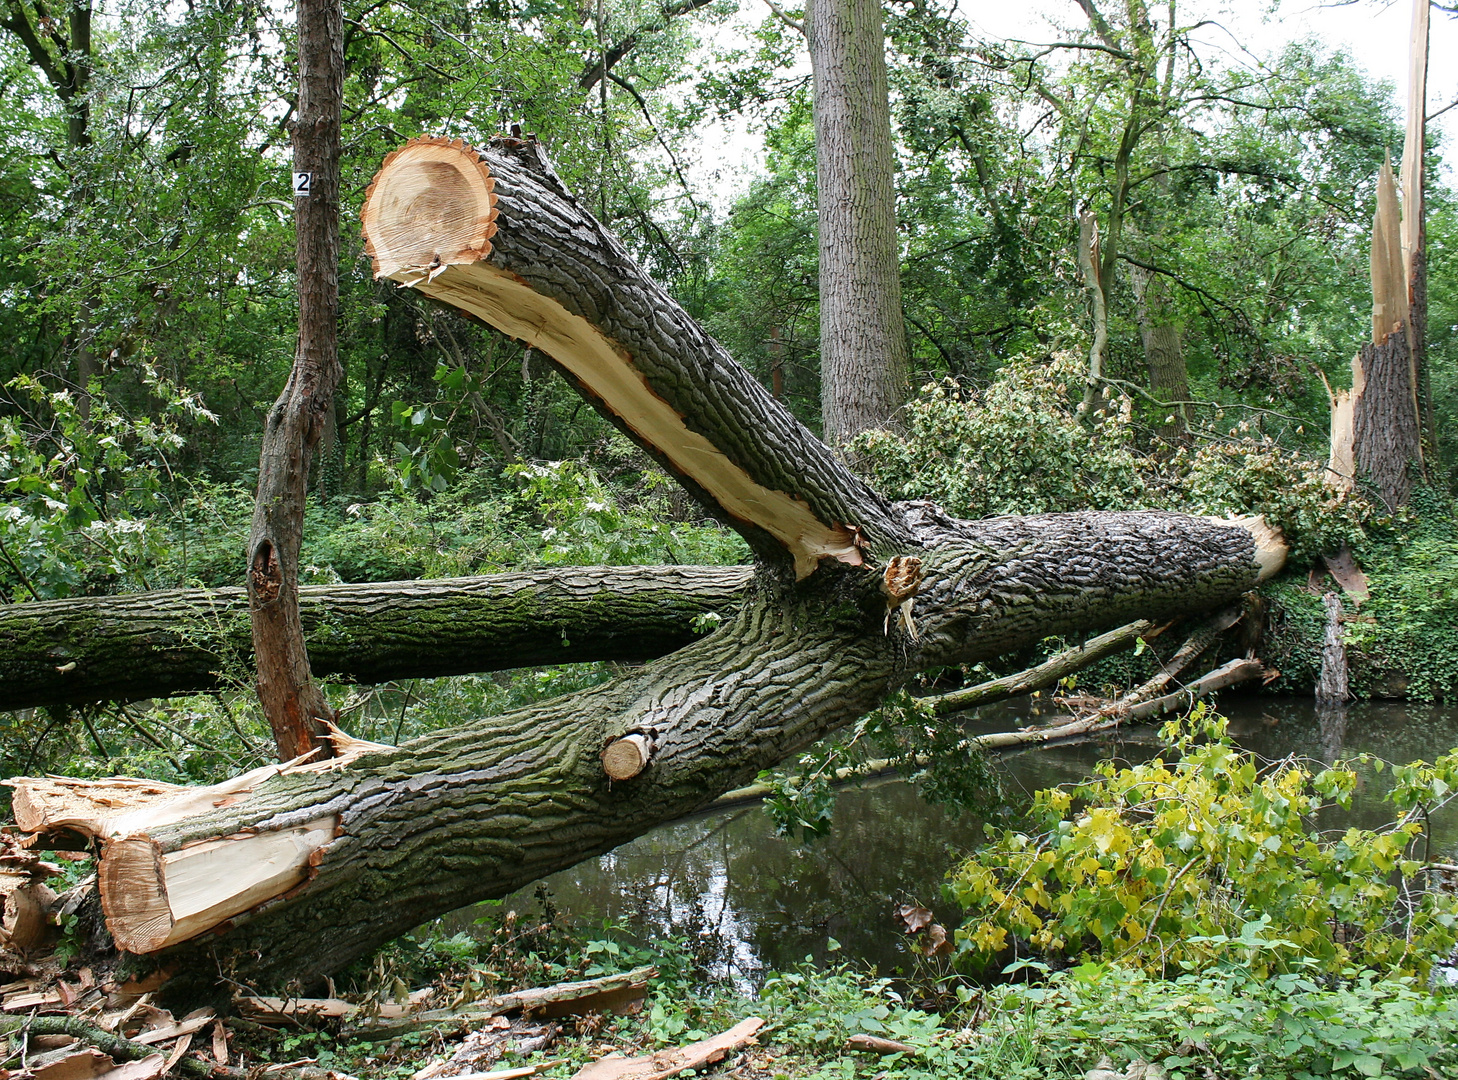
147	645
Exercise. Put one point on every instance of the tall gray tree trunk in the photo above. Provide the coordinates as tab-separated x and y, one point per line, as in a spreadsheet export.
295	706
864	357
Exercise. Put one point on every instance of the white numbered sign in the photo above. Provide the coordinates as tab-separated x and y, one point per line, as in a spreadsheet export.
303	182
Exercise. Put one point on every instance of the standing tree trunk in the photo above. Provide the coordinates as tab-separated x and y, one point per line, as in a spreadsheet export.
1164	351
295	871
864	357
1386	416
293	703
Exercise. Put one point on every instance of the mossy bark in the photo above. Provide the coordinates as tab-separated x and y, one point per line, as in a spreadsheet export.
485	808
145	645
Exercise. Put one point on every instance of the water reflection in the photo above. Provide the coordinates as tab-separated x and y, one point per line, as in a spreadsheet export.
758	902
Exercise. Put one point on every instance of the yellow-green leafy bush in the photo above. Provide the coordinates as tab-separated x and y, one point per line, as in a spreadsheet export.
1212	858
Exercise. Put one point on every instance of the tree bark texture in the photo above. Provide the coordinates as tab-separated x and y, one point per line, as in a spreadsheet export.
1162	334
392	836
294	705
148	645
1386	439
476	812
496	235
864	355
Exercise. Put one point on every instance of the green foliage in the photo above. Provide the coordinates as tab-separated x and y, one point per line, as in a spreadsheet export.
1018	447
79	485
1298	1025
1209	860
1410	624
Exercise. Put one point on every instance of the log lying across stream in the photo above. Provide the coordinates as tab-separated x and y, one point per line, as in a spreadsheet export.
296	873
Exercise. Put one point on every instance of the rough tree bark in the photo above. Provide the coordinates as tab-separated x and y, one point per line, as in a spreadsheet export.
864	356
391	836
1386	415
1162	334
148	645
295	706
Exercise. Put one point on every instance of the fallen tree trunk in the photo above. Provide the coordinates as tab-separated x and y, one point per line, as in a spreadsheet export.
301	871
146	645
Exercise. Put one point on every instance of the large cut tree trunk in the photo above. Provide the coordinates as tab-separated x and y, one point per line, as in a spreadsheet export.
389	837
148	645
864	356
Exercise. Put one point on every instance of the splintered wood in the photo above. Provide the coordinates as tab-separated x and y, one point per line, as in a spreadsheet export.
428	218
666	1063
154	898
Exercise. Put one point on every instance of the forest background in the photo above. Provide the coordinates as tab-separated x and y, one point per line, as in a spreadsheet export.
149	314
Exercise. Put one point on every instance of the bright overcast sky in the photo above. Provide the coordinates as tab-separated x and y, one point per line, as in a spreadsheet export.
1375	32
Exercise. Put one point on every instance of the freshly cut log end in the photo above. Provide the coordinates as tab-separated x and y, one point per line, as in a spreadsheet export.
427	221
431	205
625	758
153	899
134	896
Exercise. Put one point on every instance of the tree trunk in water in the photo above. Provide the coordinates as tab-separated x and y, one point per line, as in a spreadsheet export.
864	356
397	836
1164	353
294	705
147	645
294	875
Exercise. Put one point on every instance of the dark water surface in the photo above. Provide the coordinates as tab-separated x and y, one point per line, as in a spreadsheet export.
758	902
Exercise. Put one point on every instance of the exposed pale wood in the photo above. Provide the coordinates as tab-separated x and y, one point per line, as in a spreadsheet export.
379	1020
430	206
1341	469
666	1063
1223	677
296	1008
1089	258
1389	280
1414	138
173	1031
1343	566
625	758
27	923
609	994
154	899
417	243
878	1046
1271	546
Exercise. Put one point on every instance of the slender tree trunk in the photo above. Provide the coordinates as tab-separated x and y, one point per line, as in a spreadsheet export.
1162	334
294	705
864	357
148	645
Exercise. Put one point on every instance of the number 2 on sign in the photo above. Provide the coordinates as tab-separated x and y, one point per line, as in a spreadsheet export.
303	183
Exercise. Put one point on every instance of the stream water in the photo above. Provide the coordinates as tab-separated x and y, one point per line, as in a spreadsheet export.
752	901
